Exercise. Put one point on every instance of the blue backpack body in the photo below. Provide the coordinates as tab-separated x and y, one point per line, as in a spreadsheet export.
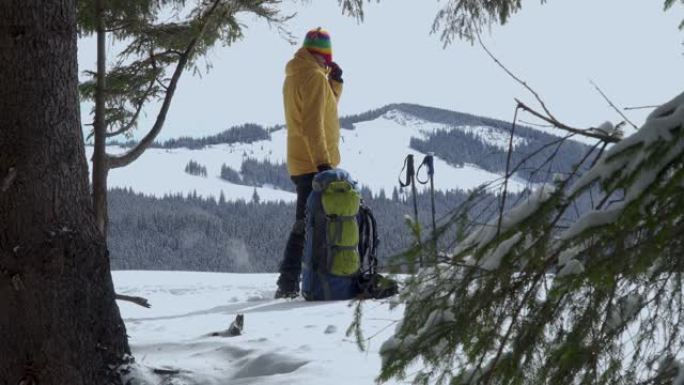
331	264
340	252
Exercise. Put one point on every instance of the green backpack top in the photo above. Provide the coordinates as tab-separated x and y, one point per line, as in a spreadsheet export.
341	202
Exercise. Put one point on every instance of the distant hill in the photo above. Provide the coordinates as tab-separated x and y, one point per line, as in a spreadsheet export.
470	151
224	202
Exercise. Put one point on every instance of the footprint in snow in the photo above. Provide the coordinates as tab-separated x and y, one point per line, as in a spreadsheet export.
267	365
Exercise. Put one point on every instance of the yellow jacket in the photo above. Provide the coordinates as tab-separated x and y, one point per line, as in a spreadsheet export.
313	128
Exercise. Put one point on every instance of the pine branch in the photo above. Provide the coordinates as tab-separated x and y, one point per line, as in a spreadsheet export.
133	154
141	102
508	168
511	326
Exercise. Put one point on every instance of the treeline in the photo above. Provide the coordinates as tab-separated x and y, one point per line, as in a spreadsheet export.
193	233
259	173
246	133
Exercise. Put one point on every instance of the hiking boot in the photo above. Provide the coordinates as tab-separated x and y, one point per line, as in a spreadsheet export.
284	293
288	285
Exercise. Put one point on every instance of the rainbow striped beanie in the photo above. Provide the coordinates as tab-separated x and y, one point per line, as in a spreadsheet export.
317	42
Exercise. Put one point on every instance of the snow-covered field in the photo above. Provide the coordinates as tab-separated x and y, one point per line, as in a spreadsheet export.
373	153
283	342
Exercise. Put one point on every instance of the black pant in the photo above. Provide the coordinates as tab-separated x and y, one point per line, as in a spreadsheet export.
291	266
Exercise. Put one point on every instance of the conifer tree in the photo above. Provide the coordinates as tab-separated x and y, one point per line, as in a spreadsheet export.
255	197
541	295
59	323
156	54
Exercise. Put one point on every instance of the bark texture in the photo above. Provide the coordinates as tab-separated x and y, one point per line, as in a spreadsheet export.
100	168
59	323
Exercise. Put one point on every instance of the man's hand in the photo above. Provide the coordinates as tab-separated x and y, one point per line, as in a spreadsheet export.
335	72
324	167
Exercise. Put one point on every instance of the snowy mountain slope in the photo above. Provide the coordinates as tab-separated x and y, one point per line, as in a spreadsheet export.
486	134
160	172
373	153
375	150
283	342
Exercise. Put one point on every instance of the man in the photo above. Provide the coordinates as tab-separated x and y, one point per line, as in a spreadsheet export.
313	84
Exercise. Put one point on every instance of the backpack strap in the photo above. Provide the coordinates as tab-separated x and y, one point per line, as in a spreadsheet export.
337	221
369	240
370	283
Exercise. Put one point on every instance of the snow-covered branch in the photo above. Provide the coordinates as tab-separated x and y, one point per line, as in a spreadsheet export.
597	300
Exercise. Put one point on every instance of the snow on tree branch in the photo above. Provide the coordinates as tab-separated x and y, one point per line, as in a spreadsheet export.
562	294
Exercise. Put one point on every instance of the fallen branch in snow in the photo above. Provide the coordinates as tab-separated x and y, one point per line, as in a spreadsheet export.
234	330
164	371
140	301
8	179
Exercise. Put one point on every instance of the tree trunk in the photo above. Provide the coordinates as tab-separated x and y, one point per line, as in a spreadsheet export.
59	323
100	166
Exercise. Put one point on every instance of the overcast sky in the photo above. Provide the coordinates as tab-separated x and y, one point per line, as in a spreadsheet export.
631	48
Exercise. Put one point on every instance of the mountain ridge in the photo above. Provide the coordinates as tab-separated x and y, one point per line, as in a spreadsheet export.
183	206
255	131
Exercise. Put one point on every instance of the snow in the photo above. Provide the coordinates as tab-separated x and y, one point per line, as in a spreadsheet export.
490	135
607	128
438	318
626	308
679	380
283	342
493	260
160	172
633	161
493	136
592	219
483	235
571	267
657	128
570	253
373	153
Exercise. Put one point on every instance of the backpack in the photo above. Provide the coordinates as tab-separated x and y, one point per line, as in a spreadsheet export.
339	260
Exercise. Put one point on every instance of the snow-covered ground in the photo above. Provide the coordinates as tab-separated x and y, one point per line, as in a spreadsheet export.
373	153
283	342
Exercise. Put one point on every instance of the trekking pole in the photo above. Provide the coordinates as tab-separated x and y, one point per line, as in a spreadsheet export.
410	181
429	163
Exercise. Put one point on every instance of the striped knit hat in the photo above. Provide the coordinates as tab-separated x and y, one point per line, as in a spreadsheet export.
317	42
